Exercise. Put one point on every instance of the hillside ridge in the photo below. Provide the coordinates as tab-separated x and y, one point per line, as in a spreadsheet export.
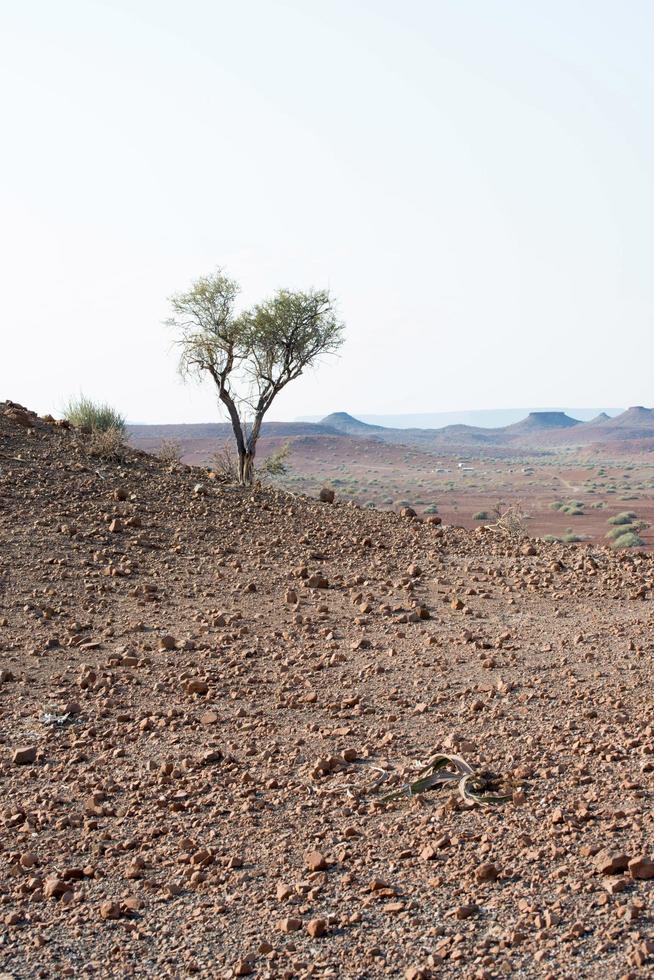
209	692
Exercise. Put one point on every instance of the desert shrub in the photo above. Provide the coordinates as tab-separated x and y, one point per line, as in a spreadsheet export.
557	505
629	539
224	464
370	504
551	538
403	503
170	451
574	508
106	444
571	538
275	464
93	416
626	517
481	515
431	509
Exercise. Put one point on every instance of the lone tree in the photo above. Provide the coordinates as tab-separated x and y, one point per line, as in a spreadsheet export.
252	355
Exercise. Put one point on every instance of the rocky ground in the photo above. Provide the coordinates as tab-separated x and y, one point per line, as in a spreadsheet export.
206	692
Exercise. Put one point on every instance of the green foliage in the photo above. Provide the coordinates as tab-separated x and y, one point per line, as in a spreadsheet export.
251	356
431	509
628	539
481	515
574	508
275	464
93	416
626	517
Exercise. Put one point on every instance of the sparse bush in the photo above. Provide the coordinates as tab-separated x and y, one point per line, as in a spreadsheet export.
224	464
571	538
275	464
626	517
481	515
170	451
574	508
431	509
627	540
93	416
551	538
106	444
557	505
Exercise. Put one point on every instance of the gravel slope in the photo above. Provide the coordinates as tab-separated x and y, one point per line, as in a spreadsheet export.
240	669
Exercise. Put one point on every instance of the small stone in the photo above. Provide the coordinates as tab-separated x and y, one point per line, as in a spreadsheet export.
25	756
416	973
466	911
327	495
116	526
486	872
315	861
110	910
290	924
196	686
208	718
243	968
167	642
316	928
641	867
54	887
611	862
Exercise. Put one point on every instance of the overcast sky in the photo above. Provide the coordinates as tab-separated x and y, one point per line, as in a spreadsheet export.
473	179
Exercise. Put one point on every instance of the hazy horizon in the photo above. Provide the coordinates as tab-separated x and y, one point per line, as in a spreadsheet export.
484	418
472	181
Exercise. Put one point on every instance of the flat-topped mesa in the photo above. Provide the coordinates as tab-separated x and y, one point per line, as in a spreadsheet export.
639	411
636	417
544	420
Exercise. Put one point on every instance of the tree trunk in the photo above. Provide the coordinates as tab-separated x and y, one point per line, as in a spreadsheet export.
245	468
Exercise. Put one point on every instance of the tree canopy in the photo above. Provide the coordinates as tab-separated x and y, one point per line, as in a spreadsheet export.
252	355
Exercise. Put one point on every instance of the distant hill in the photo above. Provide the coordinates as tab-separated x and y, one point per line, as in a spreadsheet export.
536	421
539	430
223	430
495	418
342	422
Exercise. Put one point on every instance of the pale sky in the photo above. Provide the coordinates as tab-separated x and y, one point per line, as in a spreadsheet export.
473	179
